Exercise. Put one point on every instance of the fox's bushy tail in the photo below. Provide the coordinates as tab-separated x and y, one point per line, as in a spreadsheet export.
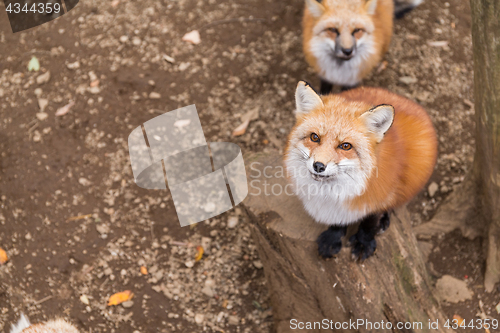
401	7
21	324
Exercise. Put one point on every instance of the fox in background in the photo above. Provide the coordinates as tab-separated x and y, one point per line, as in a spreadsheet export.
344	40
355	156
52	326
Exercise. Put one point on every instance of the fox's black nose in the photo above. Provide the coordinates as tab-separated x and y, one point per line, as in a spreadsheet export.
319	167
347	52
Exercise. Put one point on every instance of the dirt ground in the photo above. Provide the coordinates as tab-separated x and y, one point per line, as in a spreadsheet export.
76	227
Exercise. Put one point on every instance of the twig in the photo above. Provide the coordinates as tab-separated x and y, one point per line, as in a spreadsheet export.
43	300
80	217
233	20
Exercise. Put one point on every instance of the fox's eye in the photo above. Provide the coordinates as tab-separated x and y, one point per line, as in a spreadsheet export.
345	146
357	33
333	31
314	137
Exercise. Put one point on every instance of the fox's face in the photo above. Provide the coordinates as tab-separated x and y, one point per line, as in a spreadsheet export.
332	146
342	32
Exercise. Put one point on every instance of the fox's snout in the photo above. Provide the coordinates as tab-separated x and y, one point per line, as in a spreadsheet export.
345	46
319	167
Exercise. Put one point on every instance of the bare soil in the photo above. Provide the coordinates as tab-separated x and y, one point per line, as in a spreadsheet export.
71	217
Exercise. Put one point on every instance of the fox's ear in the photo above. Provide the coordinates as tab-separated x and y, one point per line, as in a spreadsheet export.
315	7
306	99
378	120
370	6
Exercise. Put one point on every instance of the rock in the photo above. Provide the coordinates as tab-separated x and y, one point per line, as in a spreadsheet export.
136	41
408	80
210	283
42	104
199	318
189	264
208	291
94	90
38	92
232	222
37	137
84	181
192	37
152	83
233	320
128	304
73	65
1	92
258	264
154	95
84	299
168	59
452	290
205	243
42	116
433	188
184	65
123	39
102	229
43	78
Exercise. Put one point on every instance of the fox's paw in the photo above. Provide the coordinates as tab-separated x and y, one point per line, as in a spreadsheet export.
363	247
329	244
385	222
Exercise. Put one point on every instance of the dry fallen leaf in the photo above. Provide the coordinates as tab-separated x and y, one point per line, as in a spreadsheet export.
3	257
34	64
120	297
192	37
458	319
65	109
240	130
382	66
246	118
199	253
144	270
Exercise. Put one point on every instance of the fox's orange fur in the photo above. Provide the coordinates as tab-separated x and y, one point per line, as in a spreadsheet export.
405	157
386	170
52	326
373	17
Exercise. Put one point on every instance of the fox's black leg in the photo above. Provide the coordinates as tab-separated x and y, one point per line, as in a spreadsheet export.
385	222
325	88
330	241
401	12
345	88
363	242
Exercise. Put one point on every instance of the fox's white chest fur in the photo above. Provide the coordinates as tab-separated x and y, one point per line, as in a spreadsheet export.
331	211
328	202
344	73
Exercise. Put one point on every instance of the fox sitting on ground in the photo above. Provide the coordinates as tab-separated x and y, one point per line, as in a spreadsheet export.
344	40
53	326
355	156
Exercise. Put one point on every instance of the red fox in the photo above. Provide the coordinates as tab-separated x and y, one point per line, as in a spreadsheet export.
354	157
53	326
344	40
